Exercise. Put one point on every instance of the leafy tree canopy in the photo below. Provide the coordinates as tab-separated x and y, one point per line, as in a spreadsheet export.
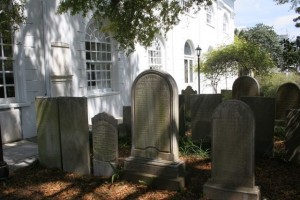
132	21
291	52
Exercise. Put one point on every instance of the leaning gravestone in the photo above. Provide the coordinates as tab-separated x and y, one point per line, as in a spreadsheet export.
232	174
287	97
203	106
292	136
264	113
154	156
245	86
105	144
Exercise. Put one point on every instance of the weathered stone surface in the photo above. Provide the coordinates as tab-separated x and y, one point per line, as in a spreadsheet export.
292	136
245	86
127	120
232	153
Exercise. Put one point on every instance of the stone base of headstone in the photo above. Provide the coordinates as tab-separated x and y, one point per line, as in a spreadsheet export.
4	171
218	192
159	174
104	169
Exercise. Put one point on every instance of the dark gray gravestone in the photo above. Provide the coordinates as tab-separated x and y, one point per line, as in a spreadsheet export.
232	153
264	113
154	155
287	97
48	132
105	144
245	86
127	119
73	120
292	136
203	106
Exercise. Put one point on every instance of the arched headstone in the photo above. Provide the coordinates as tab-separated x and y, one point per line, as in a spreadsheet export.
245	86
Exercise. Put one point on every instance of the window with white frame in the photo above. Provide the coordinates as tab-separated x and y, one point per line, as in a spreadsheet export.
209	16
7	80
98	52
155	55
188	63
225	23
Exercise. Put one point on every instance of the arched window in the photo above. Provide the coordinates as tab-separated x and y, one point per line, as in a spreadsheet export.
188	63
210	16
225	23
98	59
7	81
155	55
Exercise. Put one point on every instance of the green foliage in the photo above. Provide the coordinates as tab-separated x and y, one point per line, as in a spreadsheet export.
270	83
279	132
291	52
129	21
188	147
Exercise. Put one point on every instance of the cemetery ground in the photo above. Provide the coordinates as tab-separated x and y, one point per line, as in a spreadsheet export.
277	179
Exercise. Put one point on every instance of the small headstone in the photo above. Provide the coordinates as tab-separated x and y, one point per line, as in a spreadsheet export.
127	120
245	86
48	132
287	97
264	113
292	136
203	106
105	144
154	155
232	174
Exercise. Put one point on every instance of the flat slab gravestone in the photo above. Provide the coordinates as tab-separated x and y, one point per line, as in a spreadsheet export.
264	113
245	86
232	174
292	136
203	106
105	144
287	97
154	155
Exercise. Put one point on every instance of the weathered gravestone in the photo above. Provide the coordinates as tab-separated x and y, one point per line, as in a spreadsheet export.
127	120
203	106
185	109
264	113
63	138
105	144
154	155
245	86
287	97
292	136
232	174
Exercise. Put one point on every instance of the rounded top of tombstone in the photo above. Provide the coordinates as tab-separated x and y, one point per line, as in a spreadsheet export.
245	86
289	87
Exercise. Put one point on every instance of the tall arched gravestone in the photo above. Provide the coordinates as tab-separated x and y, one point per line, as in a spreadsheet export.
154	155
245	86
232	174
287	97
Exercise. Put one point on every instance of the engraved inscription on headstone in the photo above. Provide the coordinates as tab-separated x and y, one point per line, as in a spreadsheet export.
245	86
287	97
105	144
232	153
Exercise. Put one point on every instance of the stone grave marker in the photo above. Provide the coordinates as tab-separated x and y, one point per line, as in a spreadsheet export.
232	175
48	132
73	120
105	144
287	97
127	119
292	136
245	86
264	113
203	106
154	155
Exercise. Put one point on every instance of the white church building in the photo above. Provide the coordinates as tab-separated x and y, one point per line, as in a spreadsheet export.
62	55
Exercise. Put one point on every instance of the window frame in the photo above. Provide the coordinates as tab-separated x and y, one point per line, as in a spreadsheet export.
188	63
155	55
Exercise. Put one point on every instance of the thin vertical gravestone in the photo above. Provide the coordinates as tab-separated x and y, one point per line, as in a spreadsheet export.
105	144
264	113
245	86
202	108
73	120
287	97
154	155
127	119
4	171
48	132
232	153
292	136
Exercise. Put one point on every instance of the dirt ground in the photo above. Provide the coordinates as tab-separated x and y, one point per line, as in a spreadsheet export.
277	180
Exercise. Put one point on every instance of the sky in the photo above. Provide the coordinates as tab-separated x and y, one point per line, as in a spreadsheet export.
248	13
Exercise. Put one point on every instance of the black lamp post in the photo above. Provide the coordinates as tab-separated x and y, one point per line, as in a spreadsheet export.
198	49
